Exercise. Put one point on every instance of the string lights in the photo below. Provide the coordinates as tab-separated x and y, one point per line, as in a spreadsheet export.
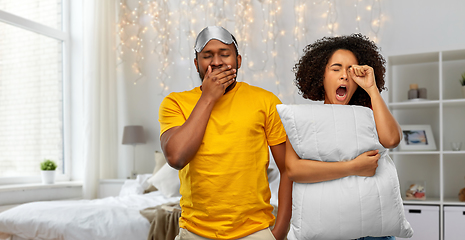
376	16
164	32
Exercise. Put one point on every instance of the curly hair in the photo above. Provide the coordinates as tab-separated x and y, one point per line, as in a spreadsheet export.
310	69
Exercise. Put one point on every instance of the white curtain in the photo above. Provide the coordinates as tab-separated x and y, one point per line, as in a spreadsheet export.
100	110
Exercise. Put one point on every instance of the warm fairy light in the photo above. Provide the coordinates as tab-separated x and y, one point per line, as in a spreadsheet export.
166	30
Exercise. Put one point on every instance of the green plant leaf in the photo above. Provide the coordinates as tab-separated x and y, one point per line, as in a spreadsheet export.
48	165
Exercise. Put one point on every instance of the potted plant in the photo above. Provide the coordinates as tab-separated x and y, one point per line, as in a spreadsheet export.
47	168
462	81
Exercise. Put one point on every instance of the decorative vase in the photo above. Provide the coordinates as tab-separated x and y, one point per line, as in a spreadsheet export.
48	177
463	91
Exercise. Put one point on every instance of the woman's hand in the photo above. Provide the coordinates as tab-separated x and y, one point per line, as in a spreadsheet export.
365	164
364	76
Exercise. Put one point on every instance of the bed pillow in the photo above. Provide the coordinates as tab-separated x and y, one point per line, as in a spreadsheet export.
166	180
135	186
350	207
159	161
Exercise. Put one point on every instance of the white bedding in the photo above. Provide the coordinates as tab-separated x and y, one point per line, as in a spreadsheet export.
112	218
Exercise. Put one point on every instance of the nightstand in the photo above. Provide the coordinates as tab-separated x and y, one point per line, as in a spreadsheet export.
110	187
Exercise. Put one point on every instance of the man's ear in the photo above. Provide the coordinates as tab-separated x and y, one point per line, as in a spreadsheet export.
196	64
239	61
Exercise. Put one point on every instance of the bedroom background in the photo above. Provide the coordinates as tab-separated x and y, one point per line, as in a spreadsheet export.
126	56
271	36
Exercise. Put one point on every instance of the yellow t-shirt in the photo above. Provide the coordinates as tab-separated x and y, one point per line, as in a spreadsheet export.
225	190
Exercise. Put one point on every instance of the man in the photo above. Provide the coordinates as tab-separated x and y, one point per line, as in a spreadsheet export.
218	135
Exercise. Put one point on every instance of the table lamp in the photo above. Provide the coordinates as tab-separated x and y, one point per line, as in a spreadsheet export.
133	135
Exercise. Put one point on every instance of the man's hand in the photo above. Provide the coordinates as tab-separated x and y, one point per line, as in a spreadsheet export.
216	81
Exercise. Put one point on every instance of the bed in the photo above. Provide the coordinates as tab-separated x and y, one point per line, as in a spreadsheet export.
107	218
144	205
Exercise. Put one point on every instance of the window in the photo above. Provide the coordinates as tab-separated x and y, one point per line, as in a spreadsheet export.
33	51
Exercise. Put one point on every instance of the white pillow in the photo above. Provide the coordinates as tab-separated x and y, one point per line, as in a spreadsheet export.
135	186
350	207
159	161
166	180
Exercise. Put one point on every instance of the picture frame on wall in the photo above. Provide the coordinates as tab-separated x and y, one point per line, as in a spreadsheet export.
417	138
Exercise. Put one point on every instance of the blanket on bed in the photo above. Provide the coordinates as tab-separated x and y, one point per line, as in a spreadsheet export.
164	221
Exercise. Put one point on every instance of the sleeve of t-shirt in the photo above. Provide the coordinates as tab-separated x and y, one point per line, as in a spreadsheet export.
170	114
275	132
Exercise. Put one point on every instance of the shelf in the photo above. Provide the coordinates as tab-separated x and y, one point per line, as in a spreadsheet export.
414	58
453	201
426	152
435	201
453	55
428	201
454	152
414	152
427	103
454	102
442	170
414	104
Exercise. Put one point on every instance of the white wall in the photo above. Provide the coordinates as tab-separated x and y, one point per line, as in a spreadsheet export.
423	26
406	27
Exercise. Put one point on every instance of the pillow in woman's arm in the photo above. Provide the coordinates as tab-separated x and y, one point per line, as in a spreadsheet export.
350	207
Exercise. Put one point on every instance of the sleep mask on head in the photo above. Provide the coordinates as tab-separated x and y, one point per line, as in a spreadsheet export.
213	32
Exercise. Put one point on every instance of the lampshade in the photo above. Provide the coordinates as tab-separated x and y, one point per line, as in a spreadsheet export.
133	135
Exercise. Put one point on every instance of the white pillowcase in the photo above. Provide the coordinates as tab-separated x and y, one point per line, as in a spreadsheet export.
135	186
166	180
350	207
159	161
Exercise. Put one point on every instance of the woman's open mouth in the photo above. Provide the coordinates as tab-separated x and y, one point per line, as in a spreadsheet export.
341	93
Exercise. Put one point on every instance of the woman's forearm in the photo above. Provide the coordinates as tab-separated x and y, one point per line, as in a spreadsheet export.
388	128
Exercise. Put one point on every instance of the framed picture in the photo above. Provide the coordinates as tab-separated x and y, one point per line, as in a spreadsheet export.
417	137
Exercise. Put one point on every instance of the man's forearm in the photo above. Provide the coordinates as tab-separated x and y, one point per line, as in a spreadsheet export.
180	144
